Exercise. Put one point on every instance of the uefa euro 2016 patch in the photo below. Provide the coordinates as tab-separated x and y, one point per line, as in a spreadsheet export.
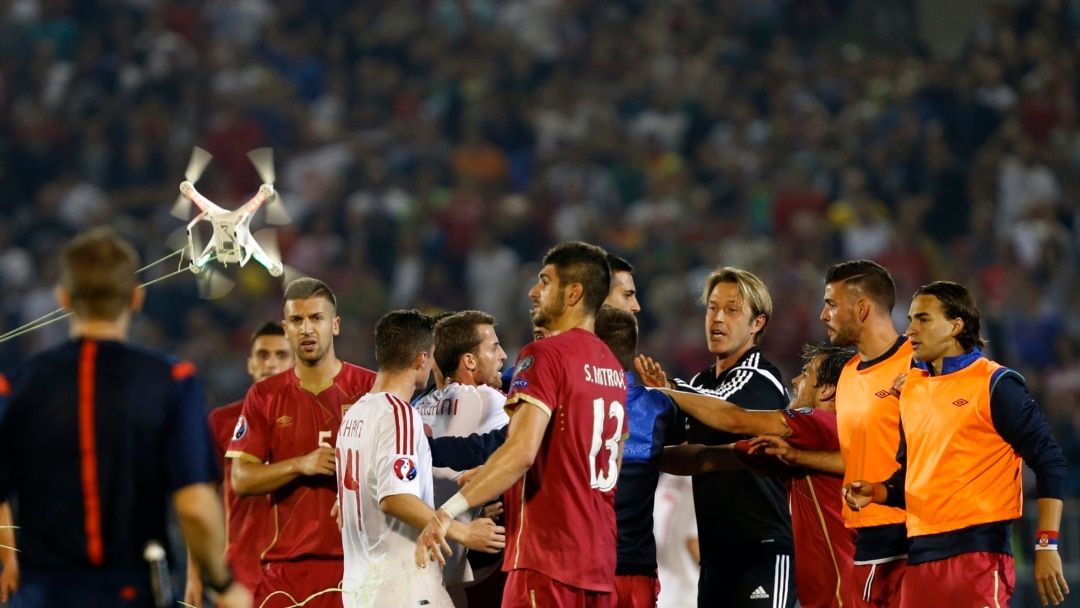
405	469
240	429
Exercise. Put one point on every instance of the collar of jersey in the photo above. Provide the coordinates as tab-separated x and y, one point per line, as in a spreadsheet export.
952	364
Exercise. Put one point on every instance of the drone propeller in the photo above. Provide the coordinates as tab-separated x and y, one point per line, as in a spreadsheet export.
213	284
199	159
267	240
263	160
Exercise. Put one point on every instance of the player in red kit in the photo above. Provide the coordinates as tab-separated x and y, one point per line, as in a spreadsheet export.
561	458
283	446
246	518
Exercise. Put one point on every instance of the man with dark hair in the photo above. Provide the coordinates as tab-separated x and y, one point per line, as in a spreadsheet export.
567	418
469	356
859	296
651	418
623	292
968	425
823	547
96	436
283	446
248	517
384	478
743	519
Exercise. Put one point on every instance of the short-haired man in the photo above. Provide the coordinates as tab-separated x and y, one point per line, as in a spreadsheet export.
743	519
248	517
651	418
823	546
859	297
968	426
563	449
469	357
283	446
384	478
623	292
97	435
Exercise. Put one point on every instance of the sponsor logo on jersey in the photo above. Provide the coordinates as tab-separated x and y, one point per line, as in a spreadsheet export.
240	428
284	421
960	402
882	394
405	469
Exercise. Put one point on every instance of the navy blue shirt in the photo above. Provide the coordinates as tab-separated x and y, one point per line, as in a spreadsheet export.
95	436
1019	420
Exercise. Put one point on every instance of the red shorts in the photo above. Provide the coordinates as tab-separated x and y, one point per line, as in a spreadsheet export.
247	571
290	583
636	591
968	579
531	589
877	585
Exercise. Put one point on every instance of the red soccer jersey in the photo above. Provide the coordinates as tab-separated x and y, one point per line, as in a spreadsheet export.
281	420
247	519
824	547
561	514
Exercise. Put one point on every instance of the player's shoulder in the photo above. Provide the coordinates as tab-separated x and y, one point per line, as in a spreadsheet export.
355	376
276	384
490	393
230	411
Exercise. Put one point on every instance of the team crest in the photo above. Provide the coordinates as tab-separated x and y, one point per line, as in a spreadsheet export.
405	469
240	429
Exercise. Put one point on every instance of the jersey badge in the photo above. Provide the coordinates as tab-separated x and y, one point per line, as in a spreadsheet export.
521	383
405	469
523	365
240	428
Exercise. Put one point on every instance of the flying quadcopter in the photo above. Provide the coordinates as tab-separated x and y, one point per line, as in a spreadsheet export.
230	243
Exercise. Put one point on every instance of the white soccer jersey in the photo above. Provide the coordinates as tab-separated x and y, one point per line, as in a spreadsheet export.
674	524
459	410
381	451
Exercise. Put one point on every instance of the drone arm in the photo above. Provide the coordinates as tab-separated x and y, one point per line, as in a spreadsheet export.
203	203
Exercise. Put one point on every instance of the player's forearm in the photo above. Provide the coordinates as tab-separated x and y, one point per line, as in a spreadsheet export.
407	508
7	533
254	478
828	462
1049	513
722	415
202	522
505	466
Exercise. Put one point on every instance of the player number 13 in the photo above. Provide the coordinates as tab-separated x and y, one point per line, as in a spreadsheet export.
604	454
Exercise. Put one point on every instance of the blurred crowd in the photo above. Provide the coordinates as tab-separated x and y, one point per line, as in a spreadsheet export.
430	151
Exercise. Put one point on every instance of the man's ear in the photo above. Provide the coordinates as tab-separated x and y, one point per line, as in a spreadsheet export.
827	392
574	293
138	298
337	325
469	361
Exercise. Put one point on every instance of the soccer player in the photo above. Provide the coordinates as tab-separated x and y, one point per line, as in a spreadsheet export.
283	446
651	417
247	518
823	546
384	478
743	518
859	297
469	357
968	426
563	449
96	436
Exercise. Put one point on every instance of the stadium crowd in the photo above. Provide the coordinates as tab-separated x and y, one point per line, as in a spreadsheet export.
429	152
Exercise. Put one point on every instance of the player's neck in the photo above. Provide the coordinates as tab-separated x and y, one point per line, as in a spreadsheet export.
723	362
573	318
315	378
401	384
876	339
97	329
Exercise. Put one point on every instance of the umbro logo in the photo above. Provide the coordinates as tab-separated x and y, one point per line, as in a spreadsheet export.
960	402
759	594
882	394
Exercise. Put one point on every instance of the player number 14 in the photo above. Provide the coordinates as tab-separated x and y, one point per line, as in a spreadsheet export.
607	424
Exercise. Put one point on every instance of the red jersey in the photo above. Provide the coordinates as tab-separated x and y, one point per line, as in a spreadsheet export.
281	420
246	518
561	514
824	547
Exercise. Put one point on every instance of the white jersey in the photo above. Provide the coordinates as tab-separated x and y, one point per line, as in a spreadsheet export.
674	524
459	410
381	451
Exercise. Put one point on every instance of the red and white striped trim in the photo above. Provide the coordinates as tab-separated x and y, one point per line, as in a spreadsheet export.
404	426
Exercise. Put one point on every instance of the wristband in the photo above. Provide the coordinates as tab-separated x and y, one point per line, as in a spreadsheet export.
455	505
1046	540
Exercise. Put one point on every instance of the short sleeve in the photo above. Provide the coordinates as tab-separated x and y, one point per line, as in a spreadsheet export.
251	435
396	469
535	380
188	447
494	404
812	429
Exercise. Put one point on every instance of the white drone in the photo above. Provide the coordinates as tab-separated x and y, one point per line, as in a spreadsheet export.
232	241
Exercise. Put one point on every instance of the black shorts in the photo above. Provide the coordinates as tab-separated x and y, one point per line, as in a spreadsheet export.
753	581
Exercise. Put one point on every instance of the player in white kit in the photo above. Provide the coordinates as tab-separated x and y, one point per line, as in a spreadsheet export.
384	479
